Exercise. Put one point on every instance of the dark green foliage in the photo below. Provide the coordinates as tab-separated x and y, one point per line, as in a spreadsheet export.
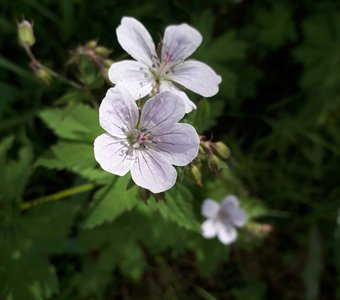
278	110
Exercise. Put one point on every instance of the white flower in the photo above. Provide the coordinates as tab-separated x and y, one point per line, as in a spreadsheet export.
147	145
150	73
223	218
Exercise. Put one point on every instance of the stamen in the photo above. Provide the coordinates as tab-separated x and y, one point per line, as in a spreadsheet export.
144	138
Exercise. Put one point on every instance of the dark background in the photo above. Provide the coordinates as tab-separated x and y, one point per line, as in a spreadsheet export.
278	110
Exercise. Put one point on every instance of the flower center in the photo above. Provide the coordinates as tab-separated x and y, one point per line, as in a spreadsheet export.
144	139
161	69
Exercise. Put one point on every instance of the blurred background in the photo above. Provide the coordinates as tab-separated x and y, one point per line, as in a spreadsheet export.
278	111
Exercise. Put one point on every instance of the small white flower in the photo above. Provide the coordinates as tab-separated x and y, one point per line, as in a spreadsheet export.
147	145
223	218
150	73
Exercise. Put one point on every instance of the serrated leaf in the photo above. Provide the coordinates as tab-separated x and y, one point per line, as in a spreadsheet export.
177	207
14	173
80	124
272	26
111	201
40	220
73	156
225	48
28	276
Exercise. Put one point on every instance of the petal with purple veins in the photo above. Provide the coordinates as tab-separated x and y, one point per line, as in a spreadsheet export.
197	77
152	171
136	40
162	109
168	86
132	75
179	42
113	154
178	143
118	113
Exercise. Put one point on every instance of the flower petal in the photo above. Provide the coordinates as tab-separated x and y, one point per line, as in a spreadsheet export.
179	42
162	109
230	202
238	217
132	75
136	40
153	172
118	113
168	86
210	208
231	206
178	143
113	154
197	77
209	229
226	233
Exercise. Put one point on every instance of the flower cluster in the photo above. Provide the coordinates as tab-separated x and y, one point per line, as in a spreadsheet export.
148	140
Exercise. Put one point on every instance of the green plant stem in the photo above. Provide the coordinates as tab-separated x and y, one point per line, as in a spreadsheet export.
58	196
36	63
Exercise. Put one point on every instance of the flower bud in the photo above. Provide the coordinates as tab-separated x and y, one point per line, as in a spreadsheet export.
25	33
91	44
214	163
222	149
102	51
196	174
44	75
108	62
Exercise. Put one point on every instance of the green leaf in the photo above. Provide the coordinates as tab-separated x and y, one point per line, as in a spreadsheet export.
320	55
40	220
28	276
14	173
225	48
177	207
80	124
73	156
272	27
111	201
209	255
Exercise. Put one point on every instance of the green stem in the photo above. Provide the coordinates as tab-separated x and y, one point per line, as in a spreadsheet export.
58	196
37	63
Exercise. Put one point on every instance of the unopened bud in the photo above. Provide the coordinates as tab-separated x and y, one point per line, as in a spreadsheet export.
44	75
102	51
91	44
214	163
108	62
201	149
196	174
259	230
25	33
222	149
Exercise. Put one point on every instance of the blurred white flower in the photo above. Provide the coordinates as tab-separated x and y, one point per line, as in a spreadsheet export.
222	219
150	73
147	145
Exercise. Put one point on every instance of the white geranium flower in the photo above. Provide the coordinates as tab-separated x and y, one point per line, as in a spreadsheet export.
147	145
223	218
150	73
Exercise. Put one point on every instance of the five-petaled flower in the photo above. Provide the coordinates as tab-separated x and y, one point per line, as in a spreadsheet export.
149	73
147	144
223	218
